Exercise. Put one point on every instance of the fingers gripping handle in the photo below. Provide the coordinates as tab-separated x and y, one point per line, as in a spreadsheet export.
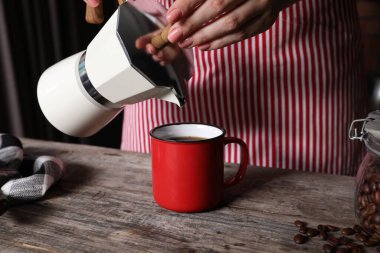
94	15
243	162
161	40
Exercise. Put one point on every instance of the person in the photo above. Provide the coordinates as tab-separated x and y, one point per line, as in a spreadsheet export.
284	76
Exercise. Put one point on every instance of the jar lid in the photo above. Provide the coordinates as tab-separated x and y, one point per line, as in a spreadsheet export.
372	124
369	131
369	125
374	115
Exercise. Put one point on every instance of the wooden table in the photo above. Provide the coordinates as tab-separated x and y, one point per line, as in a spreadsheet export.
105	204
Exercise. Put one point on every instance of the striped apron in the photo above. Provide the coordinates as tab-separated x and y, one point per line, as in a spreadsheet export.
290	93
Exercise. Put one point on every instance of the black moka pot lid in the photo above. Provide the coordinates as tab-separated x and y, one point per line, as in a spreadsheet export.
133	24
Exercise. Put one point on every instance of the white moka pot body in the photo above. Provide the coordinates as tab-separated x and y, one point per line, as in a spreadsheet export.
84	92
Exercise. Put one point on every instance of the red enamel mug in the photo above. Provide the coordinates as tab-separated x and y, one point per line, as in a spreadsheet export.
188	166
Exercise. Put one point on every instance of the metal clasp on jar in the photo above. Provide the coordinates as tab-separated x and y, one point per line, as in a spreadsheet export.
353	132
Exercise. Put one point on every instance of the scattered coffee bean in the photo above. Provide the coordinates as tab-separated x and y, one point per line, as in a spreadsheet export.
378	249
323	236
343	250
344	240
371	243
373	186
357	228
299	223
347	231
332	228
344	244
322	228
361	237
300	239
311	232
352	245
327	248
303	230
333	240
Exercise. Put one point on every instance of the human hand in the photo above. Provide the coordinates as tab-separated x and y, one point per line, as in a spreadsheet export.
212	24
93	3
164	55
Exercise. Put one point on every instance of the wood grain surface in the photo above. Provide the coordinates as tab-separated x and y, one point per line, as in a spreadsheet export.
105	204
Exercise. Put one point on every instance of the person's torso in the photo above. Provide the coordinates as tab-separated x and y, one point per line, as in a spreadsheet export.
289	93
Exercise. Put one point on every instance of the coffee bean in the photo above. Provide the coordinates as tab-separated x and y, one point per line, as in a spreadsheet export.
299	223
356	250
363	201
373	186
333	240
364	232
343	250
375	237
332	228
371	209
377	197
357	228
347	231
378	249
375	227
375	219
323	235
366	224
300	239
363	213
375	177
303	230
344	240
327	248
371	243
352	245
361	237
365	189
322	228
311	232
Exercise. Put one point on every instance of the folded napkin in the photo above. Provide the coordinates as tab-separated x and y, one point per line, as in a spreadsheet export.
24	178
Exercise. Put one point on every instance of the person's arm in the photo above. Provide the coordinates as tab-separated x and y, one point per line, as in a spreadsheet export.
212	24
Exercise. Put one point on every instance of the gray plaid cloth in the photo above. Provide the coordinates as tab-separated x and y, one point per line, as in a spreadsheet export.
24	178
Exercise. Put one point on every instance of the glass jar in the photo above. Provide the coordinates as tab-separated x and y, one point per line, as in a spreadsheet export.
367	193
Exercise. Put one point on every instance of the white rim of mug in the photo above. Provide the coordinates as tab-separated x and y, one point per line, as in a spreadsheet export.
184	141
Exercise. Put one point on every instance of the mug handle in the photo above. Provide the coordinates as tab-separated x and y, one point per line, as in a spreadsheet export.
243	163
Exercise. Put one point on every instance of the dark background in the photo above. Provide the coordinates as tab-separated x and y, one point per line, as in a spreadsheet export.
35	35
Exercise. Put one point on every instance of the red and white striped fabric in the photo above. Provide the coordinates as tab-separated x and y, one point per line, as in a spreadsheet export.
290	93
